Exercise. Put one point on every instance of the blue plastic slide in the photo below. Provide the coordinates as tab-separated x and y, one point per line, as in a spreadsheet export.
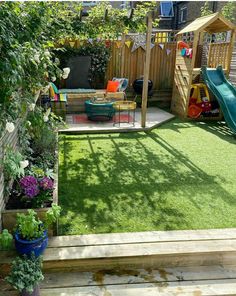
224	92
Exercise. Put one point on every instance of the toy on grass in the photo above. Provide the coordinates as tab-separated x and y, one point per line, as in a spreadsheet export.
200	99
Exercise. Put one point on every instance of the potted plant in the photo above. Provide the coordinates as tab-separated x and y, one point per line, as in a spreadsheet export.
25	275
31	233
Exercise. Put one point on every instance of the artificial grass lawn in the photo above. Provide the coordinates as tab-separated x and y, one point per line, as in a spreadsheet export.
181	175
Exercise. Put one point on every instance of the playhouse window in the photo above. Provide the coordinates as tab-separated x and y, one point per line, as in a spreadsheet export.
183	15
167	9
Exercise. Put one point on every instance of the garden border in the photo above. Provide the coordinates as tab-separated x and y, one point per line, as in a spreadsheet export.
9	216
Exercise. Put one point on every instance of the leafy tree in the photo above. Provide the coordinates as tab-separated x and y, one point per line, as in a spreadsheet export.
229	11
205	9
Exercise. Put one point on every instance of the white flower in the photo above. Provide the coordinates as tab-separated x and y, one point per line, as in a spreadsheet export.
24	164
64	76
36	58
28	123
66	72
47	53
57	61
32	107
45	118
10	127
53	78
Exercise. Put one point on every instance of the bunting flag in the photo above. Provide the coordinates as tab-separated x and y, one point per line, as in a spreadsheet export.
72	43
118	44
61	41
161	45
81	42
90	40
168	51
128	43
139	41
152	45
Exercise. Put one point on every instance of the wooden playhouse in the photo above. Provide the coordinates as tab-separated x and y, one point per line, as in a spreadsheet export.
210	42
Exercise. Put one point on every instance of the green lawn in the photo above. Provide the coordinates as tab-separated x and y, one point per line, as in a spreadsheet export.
181	175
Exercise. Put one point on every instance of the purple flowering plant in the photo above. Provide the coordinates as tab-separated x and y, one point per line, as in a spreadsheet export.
36	190
46	183
30	186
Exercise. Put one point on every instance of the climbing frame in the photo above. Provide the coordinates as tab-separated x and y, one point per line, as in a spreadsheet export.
187	69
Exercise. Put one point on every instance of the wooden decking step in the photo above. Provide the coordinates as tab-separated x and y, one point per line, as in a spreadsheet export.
186	281
137	250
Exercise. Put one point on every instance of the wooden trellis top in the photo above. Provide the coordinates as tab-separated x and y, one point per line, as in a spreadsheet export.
213	23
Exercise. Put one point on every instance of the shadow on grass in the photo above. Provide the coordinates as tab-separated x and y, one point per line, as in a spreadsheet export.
132	182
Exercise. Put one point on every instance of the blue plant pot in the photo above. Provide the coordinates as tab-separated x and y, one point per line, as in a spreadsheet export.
36	246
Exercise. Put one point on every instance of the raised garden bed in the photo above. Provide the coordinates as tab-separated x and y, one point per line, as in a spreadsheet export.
10	213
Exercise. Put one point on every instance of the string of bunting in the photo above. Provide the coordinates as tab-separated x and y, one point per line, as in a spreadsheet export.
136	42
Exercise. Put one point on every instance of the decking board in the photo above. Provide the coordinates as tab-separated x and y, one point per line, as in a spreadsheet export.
141	237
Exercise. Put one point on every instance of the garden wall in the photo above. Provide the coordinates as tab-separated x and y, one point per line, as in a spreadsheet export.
7	139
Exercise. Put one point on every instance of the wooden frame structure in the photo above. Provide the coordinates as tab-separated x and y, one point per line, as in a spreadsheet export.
187	69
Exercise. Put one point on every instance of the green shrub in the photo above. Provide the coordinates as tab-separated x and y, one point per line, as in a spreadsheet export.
30	227
25	273
6	240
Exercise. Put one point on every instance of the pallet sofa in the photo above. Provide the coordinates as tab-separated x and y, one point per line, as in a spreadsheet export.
73	101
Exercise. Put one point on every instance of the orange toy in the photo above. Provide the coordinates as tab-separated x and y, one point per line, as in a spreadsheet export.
182	44
194	111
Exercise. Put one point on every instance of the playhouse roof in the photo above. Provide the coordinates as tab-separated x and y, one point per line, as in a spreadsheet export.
212	23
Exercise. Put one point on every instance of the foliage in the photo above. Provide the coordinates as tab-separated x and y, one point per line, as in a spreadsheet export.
52	215
99	52
36	190
27	33
205	9
30	227
229	11
43	137
25	273
24	138
6	240
116	22
12	164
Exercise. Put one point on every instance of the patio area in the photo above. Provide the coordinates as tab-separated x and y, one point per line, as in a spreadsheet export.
80	123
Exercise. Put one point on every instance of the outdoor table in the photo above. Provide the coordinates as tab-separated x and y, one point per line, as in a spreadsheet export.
124	106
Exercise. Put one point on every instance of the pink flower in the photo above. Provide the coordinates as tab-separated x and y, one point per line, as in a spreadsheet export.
46	183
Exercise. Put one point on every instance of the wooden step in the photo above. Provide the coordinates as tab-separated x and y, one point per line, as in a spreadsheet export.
137	250
209	288
205	280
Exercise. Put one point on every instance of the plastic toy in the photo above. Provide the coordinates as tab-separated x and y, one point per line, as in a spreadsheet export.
182	44
199	97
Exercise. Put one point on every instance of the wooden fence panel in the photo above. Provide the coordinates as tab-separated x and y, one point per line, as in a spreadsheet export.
162	60
161	68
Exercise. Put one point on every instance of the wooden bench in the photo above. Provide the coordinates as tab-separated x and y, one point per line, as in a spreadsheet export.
75	101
